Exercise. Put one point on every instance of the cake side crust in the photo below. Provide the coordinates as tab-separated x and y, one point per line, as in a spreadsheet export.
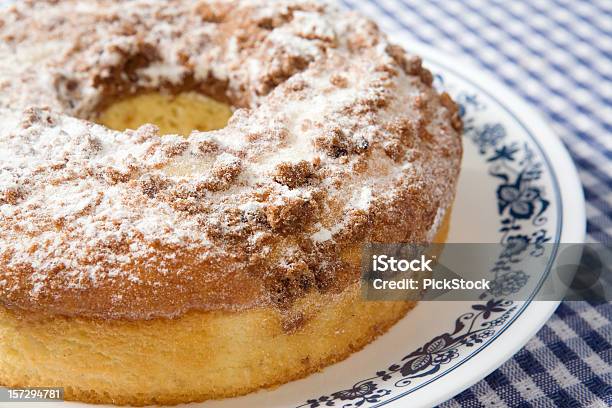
199	356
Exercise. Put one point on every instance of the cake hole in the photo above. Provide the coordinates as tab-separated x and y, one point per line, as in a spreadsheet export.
172	114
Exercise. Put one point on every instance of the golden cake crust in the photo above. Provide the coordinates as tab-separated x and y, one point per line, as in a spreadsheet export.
338	139
199	356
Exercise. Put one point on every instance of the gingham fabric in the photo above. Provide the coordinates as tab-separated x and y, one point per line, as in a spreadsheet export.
557	54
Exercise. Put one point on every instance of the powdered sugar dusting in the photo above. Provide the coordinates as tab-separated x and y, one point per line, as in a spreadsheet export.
337	138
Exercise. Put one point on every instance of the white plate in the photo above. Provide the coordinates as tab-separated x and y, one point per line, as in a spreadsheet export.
452	344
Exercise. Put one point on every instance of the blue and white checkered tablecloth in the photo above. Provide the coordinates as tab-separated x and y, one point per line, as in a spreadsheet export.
557	54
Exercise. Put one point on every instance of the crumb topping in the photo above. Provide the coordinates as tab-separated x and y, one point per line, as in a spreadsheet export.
338	139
